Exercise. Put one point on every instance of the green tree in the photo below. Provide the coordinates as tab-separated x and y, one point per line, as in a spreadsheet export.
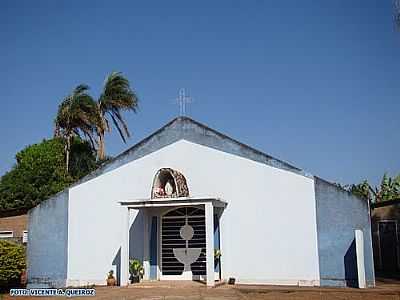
12	263
77	115
116	97
389	189
362	190
40	172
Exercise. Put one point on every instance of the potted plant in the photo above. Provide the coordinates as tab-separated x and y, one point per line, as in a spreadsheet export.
217	257
217	263
110	278
23	278
136	270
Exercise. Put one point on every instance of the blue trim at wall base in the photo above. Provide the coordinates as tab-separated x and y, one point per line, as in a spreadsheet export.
333	282
341	283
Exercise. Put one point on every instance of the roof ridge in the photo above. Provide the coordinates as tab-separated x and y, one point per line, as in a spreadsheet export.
93	174
244	150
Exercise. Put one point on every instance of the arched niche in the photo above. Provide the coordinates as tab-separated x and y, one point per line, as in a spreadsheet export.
169	183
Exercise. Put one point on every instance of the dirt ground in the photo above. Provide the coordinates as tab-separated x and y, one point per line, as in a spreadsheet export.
386	289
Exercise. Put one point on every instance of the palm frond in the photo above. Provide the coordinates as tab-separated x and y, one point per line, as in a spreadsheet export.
77	114
117	97
118	128
117	94
120	119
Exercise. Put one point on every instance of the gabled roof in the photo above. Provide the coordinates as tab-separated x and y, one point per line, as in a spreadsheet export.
188	129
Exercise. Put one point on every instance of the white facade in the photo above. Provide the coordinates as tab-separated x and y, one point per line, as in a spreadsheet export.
268	230
274	223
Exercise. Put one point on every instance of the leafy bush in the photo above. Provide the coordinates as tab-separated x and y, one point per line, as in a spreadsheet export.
12	263
389	189
40	172
135	267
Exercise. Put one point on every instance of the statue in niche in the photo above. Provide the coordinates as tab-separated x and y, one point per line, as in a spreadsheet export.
169	183
169	189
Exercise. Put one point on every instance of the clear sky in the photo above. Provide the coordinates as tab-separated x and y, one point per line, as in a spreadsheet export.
315	83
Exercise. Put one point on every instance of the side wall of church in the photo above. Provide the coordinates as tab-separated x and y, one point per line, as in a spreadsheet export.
47	251
339	214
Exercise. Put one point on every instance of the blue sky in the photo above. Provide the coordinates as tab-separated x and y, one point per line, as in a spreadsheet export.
315	83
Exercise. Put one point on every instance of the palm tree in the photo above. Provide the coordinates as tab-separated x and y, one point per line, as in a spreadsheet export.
116	97
77	115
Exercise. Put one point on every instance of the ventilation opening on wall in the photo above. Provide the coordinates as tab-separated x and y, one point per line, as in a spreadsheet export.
25	236
6	234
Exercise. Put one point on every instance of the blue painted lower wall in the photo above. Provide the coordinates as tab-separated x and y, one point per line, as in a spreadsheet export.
339	214
47	252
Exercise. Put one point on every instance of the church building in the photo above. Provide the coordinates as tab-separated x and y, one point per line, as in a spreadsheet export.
194	204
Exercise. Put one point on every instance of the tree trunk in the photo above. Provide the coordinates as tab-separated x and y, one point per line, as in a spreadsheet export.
101	153
67	153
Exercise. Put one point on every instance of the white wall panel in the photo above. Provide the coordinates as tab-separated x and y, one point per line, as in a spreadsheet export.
268	232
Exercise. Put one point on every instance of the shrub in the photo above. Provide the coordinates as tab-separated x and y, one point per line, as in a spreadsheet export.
12	263
135	267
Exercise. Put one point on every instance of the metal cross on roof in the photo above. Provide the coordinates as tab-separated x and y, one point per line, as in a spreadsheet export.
182	100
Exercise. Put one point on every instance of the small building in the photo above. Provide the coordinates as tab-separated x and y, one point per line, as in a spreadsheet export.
13	226
188	192
385	232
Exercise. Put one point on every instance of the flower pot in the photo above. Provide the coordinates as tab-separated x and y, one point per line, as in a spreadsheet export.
23	278
110	281
135	278
216	263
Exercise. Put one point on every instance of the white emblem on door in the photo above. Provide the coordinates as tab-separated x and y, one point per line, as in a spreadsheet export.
187	256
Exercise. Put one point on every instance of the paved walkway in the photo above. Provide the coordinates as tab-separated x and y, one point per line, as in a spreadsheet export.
196	291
